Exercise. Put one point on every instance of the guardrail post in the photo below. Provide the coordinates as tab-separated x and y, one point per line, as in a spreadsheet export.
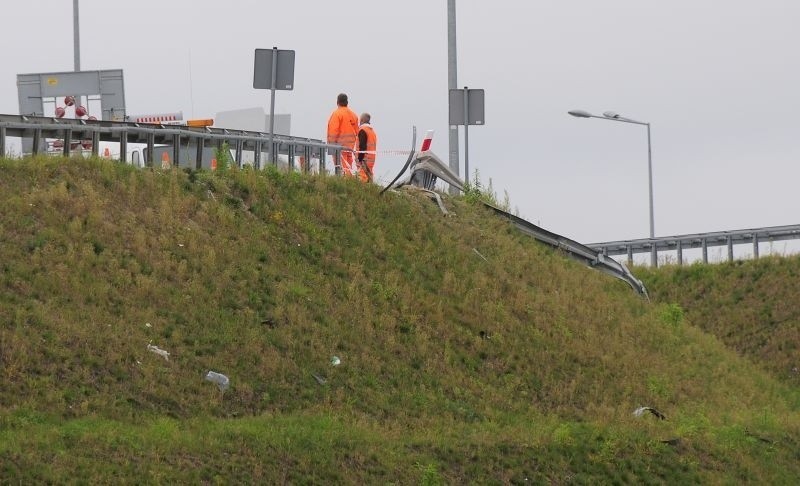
2	142
323	154
337	162
730	248
704	244
176	149
123	146
198	164
653	255
37	141
630	255
290	150
148	156
67	142
680	253
96	143
257	155
239	148
755	246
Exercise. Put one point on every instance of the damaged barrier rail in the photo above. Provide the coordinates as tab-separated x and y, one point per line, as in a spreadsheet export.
426	167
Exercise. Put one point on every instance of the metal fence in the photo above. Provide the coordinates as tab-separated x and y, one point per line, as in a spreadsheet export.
195	140
703	241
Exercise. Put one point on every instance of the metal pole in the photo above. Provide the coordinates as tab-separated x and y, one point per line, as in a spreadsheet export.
272	107
76	35
466	135
755	245
452	83
654	254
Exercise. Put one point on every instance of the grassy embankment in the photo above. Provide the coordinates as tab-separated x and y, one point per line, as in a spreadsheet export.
752	306
454	369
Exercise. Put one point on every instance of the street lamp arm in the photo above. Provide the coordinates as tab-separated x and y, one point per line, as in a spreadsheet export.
620	119
607	116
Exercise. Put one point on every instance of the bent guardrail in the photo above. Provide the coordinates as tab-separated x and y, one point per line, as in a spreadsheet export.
584	254
426	166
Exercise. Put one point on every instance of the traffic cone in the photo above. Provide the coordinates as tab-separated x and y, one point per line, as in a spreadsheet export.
165	160
106	153
214	163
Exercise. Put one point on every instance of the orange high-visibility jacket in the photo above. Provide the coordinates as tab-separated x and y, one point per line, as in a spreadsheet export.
371	145
343	127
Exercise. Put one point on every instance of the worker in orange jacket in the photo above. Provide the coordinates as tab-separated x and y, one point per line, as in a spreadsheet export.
367	145
342	130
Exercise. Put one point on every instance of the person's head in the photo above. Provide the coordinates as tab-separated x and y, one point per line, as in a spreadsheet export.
341	100
365	118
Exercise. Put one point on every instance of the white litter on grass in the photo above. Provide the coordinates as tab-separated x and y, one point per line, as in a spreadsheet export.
147	324
156	350
335	361
221	380
479	254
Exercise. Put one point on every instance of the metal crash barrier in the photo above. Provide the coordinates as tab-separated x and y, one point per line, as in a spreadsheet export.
426	167
186	146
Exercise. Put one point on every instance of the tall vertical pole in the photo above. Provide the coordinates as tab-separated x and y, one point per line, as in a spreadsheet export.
76	34
272	150
466	134
654	253
452	83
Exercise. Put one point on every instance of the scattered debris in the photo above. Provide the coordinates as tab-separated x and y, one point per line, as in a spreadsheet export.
795	370
221	380
269	322
335	361
156	350
319	379
485	335
479	254
673	442
180	244
211	195
147	324
641	410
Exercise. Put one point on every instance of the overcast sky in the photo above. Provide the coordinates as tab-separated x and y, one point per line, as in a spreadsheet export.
718	80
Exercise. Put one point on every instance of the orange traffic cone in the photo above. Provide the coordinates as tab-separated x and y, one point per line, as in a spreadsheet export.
214	163
106	153
165	160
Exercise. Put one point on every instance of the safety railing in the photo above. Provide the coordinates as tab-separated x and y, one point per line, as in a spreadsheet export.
704	241
195	140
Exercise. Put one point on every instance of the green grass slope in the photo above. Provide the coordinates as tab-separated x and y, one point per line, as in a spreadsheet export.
752	306
523	367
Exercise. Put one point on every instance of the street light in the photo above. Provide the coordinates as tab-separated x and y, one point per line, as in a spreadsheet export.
612	116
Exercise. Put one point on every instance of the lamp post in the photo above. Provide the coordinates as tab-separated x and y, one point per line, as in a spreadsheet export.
76	35
452	81
611	116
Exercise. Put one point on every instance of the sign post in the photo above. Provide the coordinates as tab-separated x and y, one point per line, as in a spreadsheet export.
274	70
466	108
